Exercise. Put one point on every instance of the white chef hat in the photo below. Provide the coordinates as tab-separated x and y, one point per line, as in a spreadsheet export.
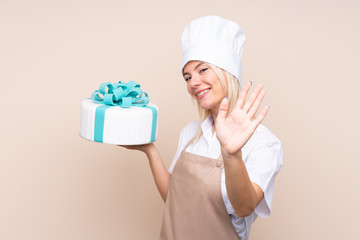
214	40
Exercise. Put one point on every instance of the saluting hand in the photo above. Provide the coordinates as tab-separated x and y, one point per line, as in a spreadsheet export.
235	130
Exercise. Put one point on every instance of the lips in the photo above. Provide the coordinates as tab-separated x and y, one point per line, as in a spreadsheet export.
202	93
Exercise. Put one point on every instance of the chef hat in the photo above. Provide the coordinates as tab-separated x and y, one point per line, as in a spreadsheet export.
214	40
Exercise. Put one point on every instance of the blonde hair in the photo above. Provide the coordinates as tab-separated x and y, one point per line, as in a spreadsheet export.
231	88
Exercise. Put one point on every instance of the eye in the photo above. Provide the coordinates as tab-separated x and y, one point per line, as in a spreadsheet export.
203	70
187	78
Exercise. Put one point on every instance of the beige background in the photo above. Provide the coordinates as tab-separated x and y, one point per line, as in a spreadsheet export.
56	185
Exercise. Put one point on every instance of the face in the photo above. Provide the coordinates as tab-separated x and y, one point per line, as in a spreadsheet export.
203	85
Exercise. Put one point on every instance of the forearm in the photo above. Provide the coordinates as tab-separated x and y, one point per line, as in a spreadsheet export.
159	171
242	193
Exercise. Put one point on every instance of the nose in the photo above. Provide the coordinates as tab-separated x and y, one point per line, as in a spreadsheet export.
194	81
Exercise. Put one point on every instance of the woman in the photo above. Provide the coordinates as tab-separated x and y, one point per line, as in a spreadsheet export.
222	176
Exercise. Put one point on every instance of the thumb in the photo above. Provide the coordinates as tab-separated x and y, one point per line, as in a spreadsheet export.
223	109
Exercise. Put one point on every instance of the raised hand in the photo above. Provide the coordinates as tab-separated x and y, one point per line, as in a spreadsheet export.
234	130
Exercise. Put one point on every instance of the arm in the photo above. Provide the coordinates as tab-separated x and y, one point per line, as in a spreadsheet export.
158	169
243	194
233	131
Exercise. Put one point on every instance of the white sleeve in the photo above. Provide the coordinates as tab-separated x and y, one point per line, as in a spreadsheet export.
186	135
263	164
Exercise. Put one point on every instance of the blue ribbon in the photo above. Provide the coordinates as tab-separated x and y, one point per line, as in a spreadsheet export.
120	94
123	94
154	121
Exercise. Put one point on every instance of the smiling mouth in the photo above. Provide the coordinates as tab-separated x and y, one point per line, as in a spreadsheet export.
202	93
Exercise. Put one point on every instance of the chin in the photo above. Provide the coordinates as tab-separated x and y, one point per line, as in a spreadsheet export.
205	106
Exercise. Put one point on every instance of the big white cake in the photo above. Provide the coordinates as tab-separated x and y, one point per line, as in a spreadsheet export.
114	124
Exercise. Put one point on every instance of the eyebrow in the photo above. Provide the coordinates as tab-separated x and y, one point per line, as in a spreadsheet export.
194	68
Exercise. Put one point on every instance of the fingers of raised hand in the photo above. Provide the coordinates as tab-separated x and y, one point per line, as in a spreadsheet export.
224	107
255	107
242	97
260	117
254	95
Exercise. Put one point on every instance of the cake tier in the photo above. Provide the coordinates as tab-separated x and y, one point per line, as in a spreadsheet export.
116	125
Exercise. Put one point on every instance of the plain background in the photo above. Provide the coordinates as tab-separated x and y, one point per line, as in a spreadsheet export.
56	185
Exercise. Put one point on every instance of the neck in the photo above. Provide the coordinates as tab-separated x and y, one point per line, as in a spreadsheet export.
214	112
214	116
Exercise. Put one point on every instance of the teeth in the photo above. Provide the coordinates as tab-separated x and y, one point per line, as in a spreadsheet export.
201	93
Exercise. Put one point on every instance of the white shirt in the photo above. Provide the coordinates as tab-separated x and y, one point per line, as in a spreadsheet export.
263	158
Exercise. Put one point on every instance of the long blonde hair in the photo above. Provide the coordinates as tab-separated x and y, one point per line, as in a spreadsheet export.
231	88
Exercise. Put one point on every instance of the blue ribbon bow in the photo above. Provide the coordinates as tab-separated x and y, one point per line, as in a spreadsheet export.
123	94
120	94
